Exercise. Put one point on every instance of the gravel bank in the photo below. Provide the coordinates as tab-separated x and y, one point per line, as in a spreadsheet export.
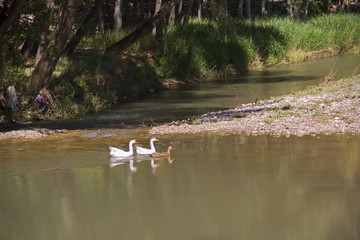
333	108
28	133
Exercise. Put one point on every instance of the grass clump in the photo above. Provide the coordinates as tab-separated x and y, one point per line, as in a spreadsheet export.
268	120
239	115
286	107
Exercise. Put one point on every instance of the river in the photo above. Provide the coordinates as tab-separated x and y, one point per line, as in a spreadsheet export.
66	186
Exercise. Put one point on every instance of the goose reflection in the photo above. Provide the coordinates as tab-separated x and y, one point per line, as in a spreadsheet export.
121	161
115	161
153	164
170	160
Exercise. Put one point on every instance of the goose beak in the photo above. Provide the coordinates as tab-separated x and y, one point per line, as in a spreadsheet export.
136	141
156	140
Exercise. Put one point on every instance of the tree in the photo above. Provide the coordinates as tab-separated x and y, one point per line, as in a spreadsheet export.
87	24
172	14
127	12
140	32
157	9
296	9
99	5
199	10
180	9
187	13
135	11
148	15
290	8
240	9
248	8
9	14
46	66
117	16
263	7
50	5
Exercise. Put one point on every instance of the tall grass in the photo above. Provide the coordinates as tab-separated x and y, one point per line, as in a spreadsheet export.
205	47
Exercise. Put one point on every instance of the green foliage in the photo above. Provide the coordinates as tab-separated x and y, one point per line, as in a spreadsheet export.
11	75
204	46
90	84
101	41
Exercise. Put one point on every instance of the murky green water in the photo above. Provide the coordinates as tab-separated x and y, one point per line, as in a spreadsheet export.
212	187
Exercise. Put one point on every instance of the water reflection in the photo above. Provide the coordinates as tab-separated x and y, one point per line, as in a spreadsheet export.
116	161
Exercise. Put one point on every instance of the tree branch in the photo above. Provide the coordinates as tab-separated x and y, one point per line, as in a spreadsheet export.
140	32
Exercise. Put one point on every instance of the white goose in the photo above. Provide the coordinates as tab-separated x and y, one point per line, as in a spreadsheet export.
146	151
115	152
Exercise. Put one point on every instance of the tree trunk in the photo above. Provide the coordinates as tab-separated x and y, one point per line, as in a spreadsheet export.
205	8
135	11
248	8
290	8
306	12
296	9
85	26
10	16
180	9
240	9
117	16
263	8
157	9
127	12
172	14
46	66
149	10
44	35
188	13
141	10
142	31
28	48
99	5
199	10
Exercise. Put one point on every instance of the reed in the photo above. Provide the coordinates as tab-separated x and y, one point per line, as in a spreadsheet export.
204	47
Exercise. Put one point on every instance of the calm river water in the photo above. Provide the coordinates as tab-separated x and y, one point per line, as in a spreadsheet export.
212	187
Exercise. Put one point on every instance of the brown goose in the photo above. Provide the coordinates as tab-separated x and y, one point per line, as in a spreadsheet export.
162	154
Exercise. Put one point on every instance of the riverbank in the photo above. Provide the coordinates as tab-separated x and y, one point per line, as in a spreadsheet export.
89	81
330	108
